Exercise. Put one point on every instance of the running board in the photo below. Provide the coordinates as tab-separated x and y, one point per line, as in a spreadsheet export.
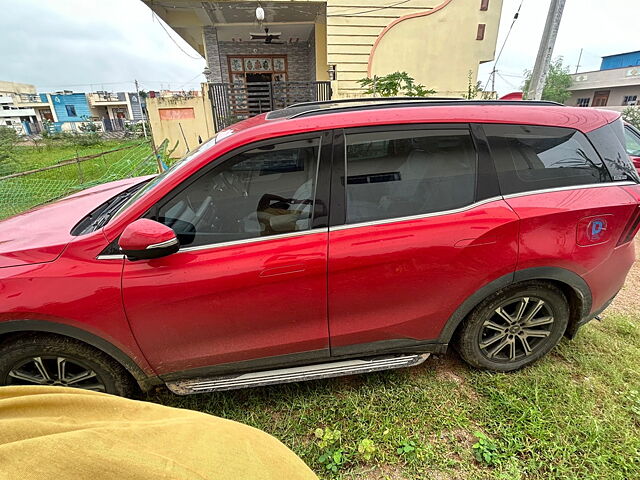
295	374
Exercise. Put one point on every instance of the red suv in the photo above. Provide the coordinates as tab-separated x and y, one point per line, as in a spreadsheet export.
327	239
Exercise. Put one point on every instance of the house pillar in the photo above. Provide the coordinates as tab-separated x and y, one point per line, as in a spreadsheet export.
212	54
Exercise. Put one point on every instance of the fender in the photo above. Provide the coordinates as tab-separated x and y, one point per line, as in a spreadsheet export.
562	275
26	326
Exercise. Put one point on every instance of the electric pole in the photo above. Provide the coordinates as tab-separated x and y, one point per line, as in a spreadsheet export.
493	79
579	58
541	68
144	117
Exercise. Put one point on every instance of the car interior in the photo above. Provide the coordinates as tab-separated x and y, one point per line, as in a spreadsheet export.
398	174
262	192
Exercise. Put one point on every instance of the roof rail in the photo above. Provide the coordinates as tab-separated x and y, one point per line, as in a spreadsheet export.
308	110
371	99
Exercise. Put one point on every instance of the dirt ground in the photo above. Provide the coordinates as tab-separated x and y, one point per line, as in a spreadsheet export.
628	300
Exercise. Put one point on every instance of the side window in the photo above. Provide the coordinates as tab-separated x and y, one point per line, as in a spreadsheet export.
632	141
533	158
402	173
262	192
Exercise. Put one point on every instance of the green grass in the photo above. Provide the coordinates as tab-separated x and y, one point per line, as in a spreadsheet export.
31	157
21	193
573	415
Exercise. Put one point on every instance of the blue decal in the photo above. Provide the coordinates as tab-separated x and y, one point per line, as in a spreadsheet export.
596	229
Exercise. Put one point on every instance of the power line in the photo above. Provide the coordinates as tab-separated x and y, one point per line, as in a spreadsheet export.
189	81
127	82
355	14
506	81
156	17
495	63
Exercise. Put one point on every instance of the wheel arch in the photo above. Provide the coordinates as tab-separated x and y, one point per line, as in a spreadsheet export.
11	328
572	285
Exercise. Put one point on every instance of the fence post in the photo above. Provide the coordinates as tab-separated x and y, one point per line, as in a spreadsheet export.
80	175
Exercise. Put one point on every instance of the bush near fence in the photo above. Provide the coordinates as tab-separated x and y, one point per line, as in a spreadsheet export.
22	191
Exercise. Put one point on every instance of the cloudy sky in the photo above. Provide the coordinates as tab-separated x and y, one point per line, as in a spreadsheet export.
86	45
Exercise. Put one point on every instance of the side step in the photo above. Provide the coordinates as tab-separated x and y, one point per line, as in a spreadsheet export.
295	374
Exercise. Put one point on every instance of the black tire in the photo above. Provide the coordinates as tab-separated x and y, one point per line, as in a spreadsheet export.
23	360
520	343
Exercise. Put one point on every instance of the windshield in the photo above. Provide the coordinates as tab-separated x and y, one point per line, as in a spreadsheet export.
174	168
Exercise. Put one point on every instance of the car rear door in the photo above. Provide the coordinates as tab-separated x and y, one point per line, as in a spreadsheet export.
248	285
417	227
569	199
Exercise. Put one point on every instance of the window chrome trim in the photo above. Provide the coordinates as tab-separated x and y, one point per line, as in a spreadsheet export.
570	187
252	240
415	217
113	256
230	243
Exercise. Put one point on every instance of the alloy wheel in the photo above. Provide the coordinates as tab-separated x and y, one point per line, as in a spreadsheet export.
516	329
55	371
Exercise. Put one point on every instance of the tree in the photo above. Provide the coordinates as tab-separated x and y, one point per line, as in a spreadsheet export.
632	115
393	85
475	90
8	140
556	87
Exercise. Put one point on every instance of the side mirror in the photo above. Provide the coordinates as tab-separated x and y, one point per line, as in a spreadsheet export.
145	239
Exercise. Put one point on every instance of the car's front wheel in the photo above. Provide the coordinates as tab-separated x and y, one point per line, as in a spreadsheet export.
514	327
59	361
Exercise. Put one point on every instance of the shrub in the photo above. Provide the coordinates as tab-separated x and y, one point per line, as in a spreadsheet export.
632	116
8	140
393	85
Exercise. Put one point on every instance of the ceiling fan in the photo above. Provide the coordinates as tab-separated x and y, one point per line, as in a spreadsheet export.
267	37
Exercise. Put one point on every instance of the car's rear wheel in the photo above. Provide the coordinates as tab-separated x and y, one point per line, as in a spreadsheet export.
59	361
514	327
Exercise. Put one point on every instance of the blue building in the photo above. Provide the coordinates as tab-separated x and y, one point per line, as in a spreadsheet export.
70	107
621	60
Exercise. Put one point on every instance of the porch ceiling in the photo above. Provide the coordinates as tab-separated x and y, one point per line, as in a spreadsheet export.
297	32
187	17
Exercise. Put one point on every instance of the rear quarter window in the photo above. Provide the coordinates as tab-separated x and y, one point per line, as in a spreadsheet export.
529	158
610	142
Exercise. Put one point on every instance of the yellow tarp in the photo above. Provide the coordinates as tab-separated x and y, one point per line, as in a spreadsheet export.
62	433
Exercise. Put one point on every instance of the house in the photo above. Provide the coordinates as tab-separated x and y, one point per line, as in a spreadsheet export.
113	109
615	86
264	55
27	111
21	107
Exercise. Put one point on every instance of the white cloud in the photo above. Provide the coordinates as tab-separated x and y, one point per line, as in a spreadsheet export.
86	45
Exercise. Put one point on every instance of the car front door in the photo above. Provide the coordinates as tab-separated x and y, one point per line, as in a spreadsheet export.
248	285
423	229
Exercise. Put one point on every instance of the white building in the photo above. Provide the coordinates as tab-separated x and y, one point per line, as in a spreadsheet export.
615	86
21	106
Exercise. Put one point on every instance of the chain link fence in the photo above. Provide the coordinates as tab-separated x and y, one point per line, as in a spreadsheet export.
21	191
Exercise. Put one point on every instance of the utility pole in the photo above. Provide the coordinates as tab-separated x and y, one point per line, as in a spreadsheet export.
579	58
541	68
144	117
493	79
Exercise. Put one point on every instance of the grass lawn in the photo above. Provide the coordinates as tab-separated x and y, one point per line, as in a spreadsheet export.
21	193
30	157
573	415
